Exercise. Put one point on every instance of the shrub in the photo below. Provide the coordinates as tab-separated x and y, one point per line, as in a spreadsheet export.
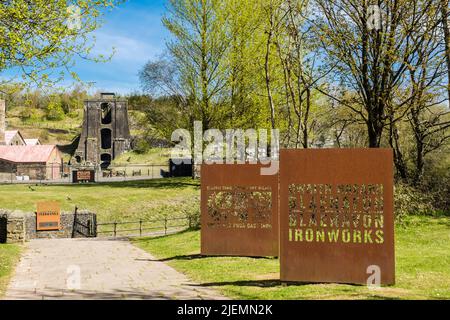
29	115
55	111
141	146
411	201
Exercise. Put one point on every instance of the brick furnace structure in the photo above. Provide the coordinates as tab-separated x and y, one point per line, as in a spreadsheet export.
106	132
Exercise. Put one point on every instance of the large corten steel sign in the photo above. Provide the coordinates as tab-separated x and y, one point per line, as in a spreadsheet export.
336	215
239	210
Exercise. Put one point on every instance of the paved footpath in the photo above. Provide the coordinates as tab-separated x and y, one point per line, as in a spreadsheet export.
107	269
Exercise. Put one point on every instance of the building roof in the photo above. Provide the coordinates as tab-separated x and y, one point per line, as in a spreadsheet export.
10	134
32	142
26	154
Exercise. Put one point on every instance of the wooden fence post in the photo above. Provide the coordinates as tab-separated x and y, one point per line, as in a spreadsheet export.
165	225
115	229
140	227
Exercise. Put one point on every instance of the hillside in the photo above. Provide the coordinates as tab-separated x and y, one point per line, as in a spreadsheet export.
65	131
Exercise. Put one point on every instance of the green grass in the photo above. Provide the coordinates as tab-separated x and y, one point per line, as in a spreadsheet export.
9	256
115	201
422	267
49	132
159	156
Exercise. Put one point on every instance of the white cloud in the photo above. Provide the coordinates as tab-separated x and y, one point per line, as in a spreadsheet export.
127	50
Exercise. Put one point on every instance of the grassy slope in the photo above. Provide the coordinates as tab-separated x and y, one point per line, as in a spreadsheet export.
119	201
63	132
422	272
49	132
9	256
159	156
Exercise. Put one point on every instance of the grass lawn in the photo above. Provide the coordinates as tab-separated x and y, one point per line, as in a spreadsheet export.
9	256
422	267
115	201
156	156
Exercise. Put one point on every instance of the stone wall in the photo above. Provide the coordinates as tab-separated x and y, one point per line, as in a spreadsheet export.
18	226
12	227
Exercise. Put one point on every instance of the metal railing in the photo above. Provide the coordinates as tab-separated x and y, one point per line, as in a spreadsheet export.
162	225
62	173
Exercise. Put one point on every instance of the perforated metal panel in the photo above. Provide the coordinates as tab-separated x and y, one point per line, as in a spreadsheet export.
48	216
336	215
239	211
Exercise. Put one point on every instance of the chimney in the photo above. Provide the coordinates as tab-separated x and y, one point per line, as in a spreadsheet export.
2	121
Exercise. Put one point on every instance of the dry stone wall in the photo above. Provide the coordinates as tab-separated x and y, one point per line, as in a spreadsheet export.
18	226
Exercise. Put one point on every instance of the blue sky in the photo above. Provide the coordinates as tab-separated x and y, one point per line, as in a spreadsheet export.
135	30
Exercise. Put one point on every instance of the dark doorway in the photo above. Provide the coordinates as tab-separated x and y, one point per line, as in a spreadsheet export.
106	138
106	113
105	159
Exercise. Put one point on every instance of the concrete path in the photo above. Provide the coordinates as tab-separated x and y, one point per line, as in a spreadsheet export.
97	269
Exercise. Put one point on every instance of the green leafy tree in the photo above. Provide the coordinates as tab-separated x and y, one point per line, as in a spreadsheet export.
198	51
42	36
54	109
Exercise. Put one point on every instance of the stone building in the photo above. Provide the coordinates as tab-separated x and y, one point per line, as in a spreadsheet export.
20	158
40	162
105	134
33	142
14	138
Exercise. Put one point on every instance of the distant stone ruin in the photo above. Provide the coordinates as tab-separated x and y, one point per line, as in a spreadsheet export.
106	132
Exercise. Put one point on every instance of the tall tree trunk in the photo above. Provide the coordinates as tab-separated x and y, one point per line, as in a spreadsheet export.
444	14
306	119
419	138
267	70
399	162
204	70
373	131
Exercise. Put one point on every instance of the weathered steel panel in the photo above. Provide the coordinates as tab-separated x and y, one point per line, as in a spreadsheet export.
48	216
336	215
239	209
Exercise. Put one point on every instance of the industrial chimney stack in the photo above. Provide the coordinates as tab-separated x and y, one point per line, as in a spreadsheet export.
2	121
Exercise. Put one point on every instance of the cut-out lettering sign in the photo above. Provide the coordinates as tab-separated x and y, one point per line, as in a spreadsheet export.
239	211
239	207
336	215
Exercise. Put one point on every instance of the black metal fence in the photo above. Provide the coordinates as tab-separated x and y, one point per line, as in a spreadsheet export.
87	229
63	173
143	227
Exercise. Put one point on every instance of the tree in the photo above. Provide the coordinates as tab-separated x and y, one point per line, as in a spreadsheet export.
298	51
446	38
198	51
43	36
372	58
54	108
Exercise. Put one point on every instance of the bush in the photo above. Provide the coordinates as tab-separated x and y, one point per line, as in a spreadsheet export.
410	201
29	115
55	111
142	146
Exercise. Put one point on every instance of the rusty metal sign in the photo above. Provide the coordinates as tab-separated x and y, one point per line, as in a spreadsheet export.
336	216
83	176
239	210
48	216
